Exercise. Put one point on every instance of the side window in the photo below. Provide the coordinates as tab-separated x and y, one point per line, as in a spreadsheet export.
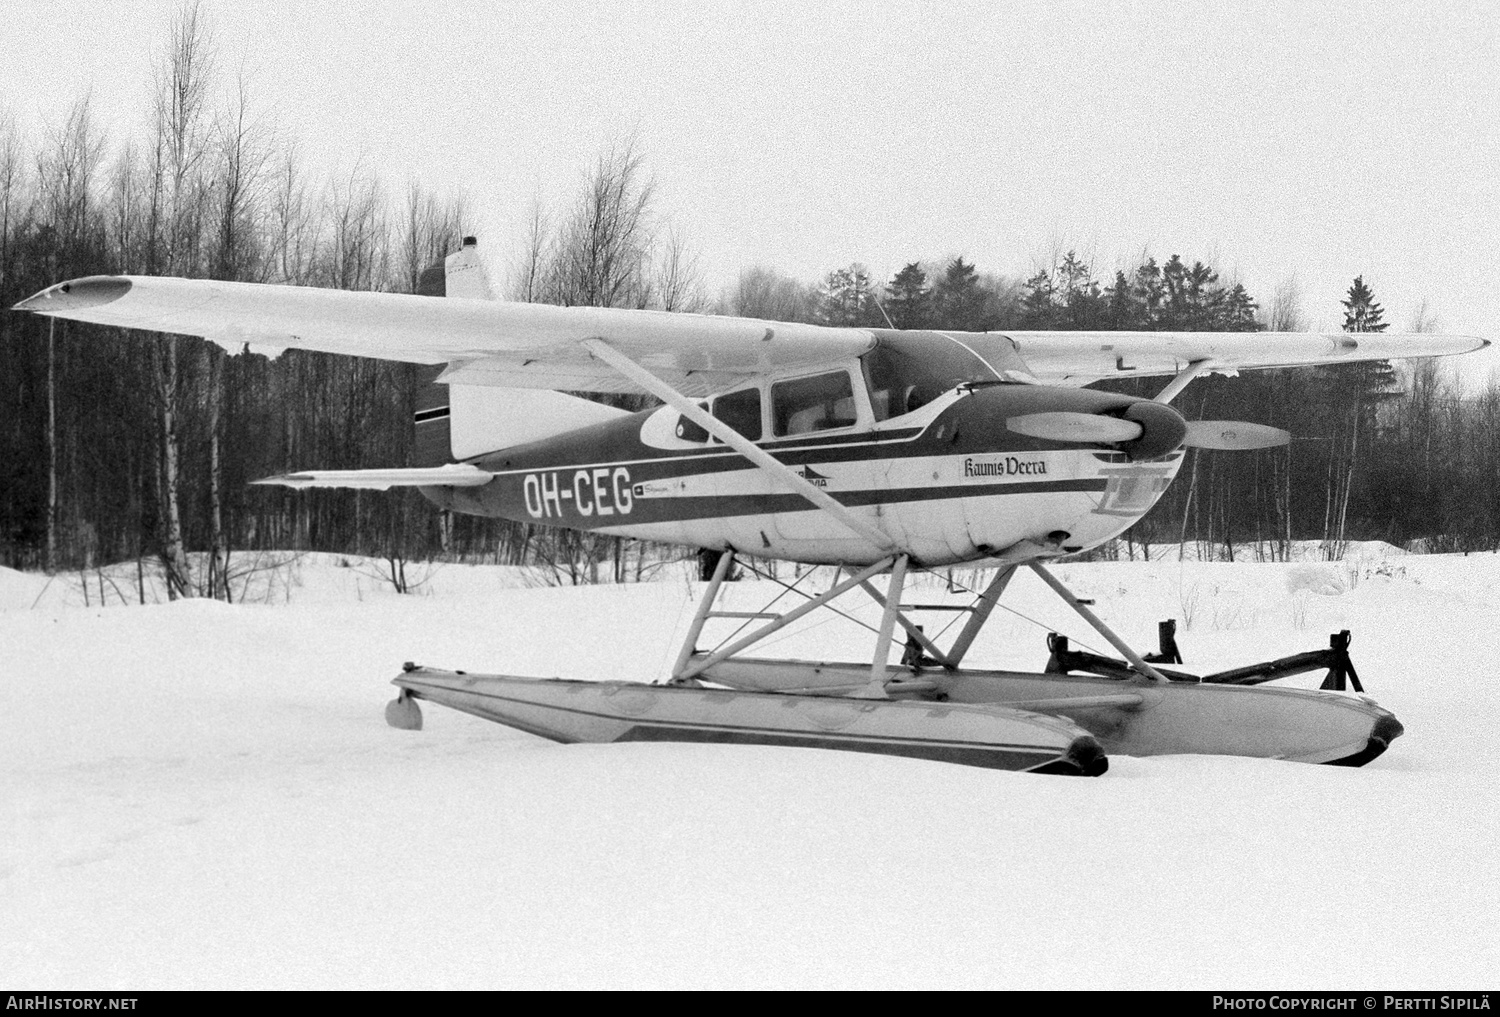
689	431
819	403
741	411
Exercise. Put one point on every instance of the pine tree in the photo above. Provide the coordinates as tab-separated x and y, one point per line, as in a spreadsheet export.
1148	290
1355	392
1376	379
1361	312
1082	303
1123	312
909	298
847	297
1066	296
1038	309
1184	288
958	299
1234	310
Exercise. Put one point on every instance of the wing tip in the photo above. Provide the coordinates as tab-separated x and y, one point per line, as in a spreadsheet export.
283	480
77	294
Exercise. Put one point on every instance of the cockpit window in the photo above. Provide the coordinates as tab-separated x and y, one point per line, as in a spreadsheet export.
819	403
905	373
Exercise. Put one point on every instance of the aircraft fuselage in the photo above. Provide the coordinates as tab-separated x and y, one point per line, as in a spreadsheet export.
947	483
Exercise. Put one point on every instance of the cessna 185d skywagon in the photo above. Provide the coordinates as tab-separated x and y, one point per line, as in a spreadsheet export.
873	450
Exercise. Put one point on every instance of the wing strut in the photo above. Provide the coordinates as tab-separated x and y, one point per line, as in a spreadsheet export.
729	436
1177	384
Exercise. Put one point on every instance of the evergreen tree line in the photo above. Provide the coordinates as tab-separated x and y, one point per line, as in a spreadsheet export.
120	446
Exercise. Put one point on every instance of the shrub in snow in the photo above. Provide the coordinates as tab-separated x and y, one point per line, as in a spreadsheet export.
1314	579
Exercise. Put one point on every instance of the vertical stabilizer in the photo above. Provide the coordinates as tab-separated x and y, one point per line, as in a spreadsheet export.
460	274
432	436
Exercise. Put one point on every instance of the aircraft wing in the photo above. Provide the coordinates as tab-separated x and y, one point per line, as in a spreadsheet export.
1077	358
484	342
517	345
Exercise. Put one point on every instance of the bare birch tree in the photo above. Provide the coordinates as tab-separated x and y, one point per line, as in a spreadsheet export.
603	249
679	280
1284	313
66	170
529	283
238	183
292	239
356	253
430	229
178	205
762	292
14	199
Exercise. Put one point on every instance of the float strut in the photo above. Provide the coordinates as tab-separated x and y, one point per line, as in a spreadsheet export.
880	667
704	607
913	630
982	608
697	667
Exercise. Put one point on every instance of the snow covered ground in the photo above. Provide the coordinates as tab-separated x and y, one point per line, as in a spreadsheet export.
206	795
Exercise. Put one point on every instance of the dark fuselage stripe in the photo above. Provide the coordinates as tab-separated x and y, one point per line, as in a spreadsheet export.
717	458
681	509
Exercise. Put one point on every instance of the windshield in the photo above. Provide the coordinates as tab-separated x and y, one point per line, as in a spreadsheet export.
906	371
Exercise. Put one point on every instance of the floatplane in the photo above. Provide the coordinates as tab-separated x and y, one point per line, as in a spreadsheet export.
876	451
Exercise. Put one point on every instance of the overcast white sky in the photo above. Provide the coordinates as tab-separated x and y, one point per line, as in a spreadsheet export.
1323	140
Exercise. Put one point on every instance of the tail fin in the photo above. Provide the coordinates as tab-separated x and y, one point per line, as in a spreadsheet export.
432	424
456	422
460	274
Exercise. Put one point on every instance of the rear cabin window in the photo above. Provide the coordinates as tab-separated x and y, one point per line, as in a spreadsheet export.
819	403
906	373
741	411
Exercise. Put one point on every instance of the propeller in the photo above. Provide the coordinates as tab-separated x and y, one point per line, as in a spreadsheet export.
1233	435
1094	428
1063	425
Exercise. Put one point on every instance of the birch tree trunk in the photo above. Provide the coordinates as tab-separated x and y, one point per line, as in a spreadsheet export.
218	565
174	551
51	445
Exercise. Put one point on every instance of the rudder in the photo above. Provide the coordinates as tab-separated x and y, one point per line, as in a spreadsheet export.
460	274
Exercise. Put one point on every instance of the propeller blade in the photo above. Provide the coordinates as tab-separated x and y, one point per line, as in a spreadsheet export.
1069	426
1233	435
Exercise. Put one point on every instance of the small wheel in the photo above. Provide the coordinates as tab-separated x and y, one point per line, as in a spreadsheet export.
404	713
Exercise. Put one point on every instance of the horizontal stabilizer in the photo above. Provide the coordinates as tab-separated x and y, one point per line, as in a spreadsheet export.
460	475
